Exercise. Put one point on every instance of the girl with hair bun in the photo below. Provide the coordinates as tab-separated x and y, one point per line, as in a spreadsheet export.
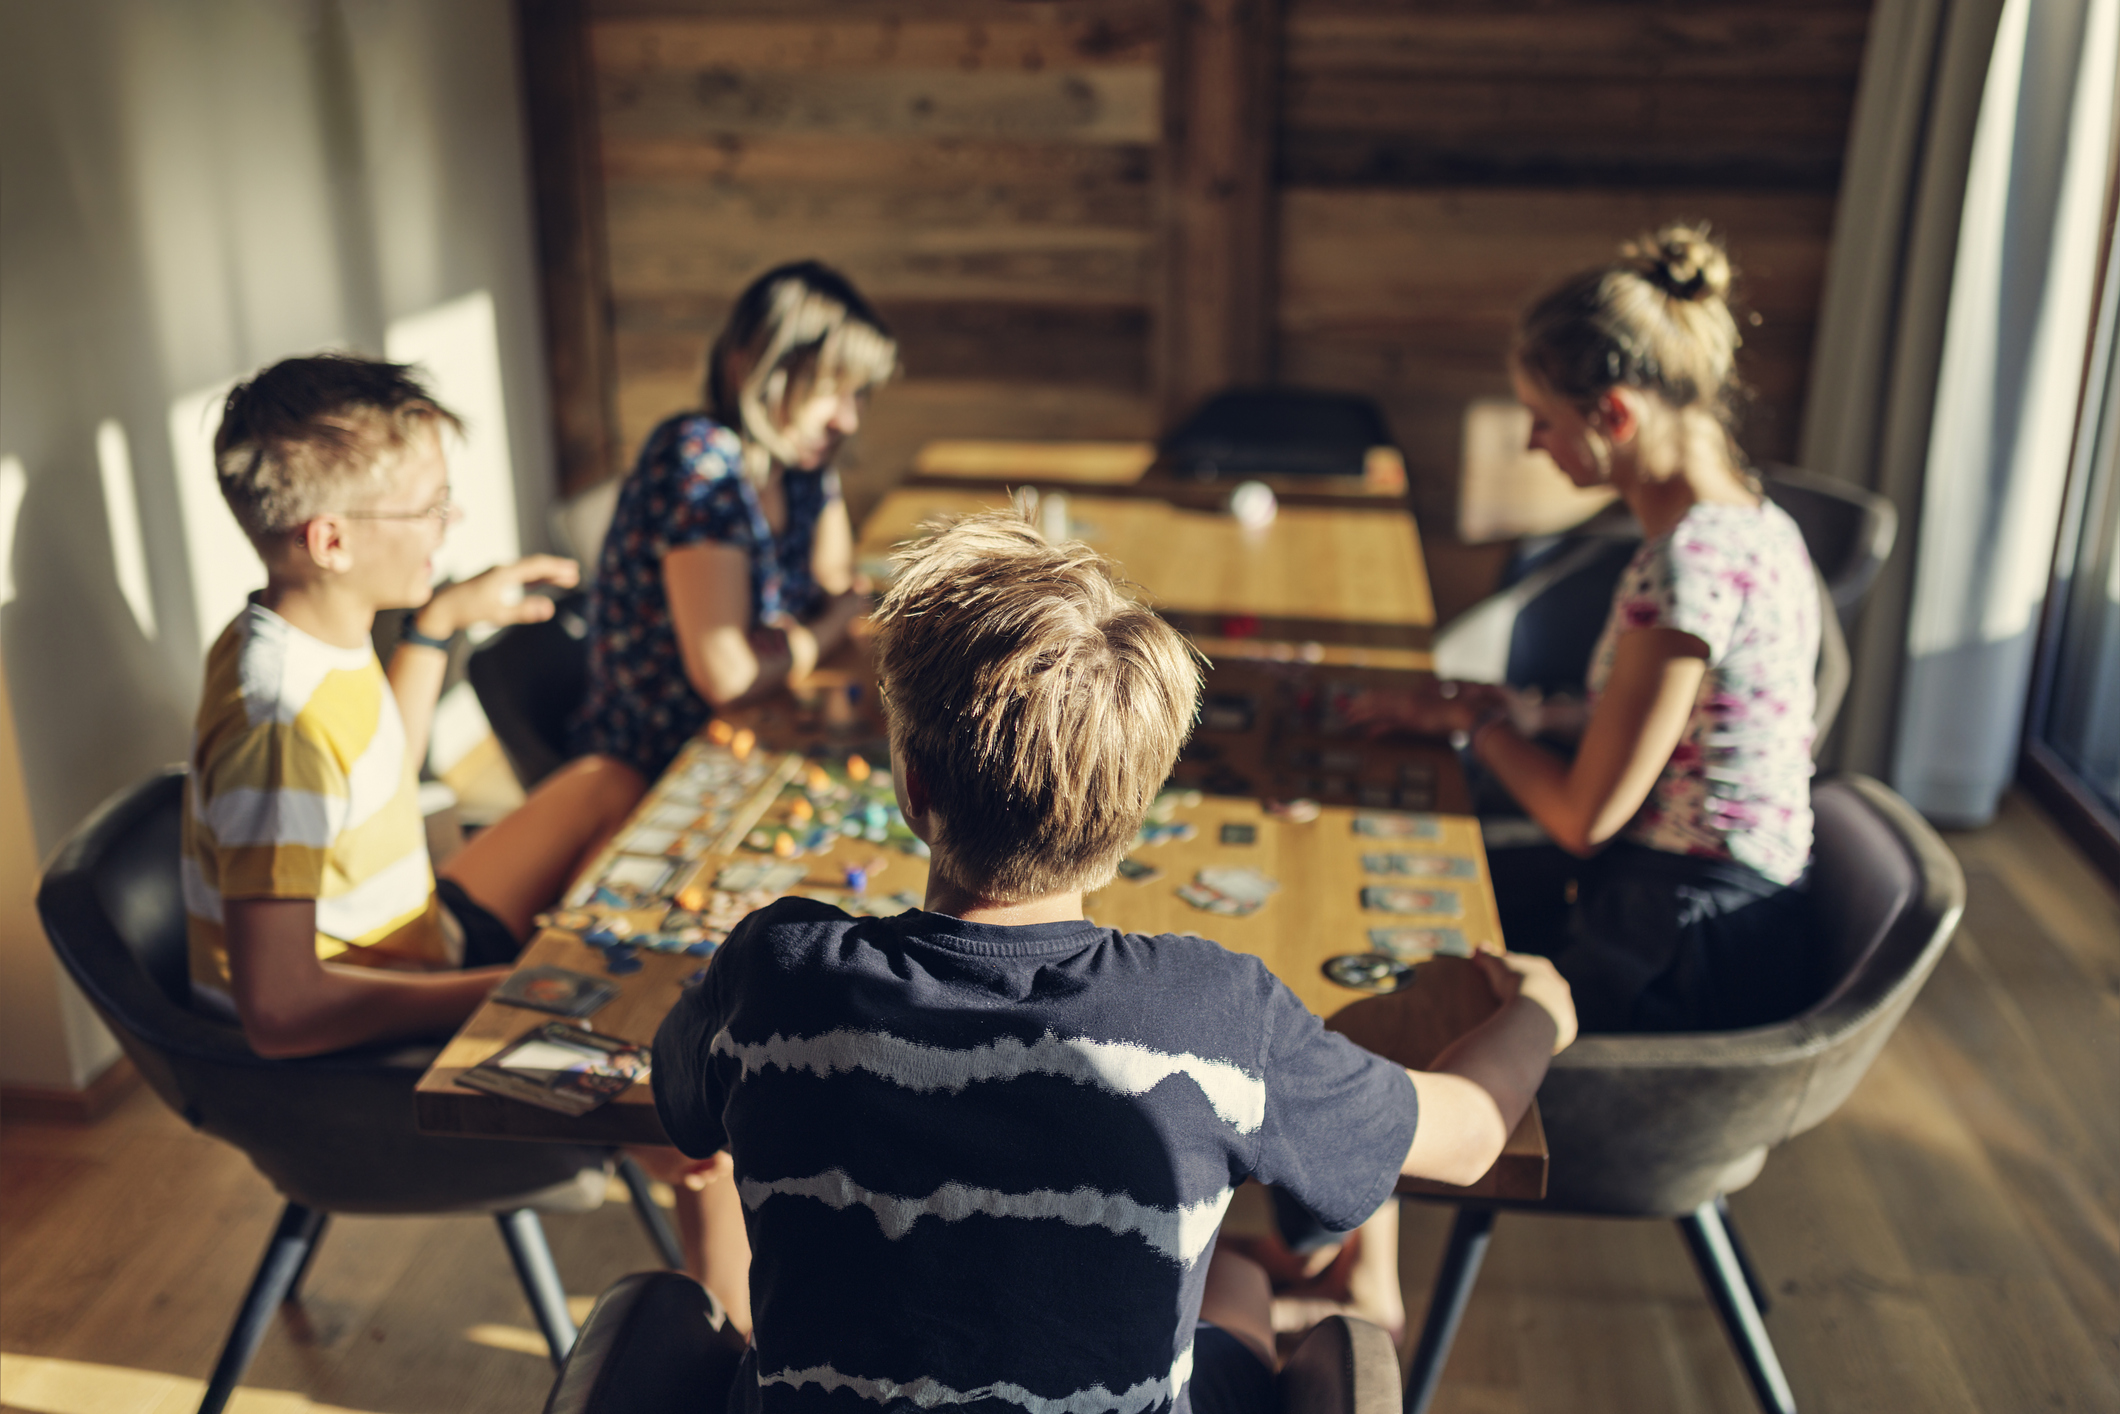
1680	902
728	569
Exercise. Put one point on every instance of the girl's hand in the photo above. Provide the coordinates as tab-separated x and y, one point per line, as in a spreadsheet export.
1434	709
1520	974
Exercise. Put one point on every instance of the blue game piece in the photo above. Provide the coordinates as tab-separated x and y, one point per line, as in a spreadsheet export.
602	938
701	948
618	964
857	879
607	897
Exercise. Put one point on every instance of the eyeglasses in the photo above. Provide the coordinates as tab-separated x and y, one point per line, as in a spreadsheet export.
444	511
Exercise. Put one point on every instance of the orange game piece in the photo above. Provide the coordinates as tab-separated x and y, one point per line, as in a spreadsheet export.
693	897
784	845
857	768
801	812
742	743
816	779
720	732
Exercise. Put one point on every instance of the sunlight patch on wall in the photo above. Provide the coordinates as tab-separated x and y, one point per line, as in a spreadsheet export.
121	504
224	567
457	344
14	482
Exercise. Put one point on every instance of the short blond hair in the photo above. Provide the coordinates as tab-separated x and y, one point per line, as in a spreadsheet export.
311	435
1041	706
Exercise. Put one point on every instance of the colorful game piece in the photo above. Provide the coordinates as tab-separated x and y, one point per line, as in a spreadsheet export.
1390	898
857	768
784	845
815	778
742	742
720	732
801	811
621	961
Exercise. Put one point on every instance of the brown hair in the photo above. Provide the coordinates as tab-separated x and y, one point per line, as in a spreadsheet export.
796	326
1658	319
1042	708
308	434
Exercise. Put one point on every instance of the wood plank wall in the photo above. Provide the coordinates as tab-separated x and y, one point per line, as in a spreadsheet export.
1440	161
982	171
989	173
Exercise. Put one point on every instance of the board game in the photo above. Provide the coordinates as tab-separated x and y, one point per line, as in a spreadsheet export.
1279	732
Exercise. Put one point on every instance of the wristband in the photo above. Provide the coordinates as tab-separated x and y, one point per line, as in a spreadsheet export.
410	633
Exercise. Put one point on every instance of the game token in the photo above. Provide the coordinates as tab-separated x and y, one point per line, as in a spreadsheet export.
784	845
815	778
619	962
1234	833
742	742
1418	944
720	732
1368	972
857	768
1388	898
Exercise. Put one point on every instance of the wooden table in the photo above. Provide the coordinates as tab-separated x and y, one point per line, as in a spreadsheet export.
1315	915
1317	574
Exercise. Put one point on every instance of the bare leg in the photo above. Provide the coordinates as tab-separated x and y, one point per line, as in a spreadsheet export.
1239	1299
709	1226
1363	1280
520	865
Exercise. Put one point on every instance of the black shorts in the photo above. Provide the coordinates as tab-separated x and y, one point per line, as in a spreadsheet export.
1227	1377
488	942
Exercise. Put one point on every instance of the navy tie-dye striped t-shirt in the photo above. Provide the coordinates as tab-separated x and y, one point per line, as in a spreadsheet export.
983	1166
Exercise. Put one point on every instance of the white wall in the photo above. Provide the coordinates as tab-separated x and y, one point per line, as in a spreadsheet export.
194	188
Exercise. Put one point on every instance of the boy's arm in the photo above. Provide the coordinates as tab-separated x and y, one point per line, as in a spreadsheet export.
292	1003
1476	1093
495	597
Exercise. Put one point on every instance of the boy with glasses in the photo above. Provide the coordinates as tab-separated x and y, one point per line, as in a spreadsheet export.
316	919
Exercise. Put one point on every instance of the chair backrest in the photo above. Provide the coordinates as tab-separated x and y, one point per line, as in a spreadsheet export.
1283	431
1848	530
654	1343
529	679
1658	1124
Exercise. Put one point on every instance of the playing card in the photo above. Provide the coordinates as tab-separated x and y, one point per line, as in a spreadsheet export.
1134	871
747	874
1390	898
1421	866
1391	825
1418	944
554	989
636	872
1241	886
1235	833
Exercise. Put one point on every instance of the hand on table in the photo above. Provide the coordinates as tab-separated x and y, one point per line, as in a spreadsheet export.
1521	974
1434	709
496	597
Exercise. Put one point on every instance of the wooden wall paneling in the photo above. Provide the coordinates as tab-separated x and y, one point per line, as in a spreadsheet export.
1220	92
560	108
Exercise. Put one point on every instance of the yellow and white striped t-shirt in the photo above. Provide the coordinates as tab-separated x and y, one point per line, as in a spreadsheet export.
300	787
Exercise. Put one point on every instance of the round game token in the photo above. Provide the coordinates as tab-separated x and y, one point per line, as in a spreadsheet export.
1368	972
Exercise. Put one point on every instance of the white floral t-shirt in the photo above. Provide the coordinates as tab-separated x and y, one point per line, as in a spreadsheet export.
1739	785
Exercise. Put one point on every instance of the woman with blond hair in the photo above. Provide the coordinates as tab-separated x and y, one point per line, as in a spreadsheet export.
1685	813
728	570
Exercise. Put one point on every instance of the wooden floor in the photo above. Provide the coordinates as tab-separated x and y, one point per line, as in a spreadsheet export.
1949	1242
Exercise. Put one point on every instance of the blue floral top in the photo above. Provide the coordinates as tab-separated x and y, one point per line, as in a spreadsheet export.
688	487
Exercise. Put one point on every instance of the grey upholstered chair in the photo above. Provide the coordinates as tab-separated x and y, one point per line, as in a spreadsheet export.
1666	1126
656	1343
335	1133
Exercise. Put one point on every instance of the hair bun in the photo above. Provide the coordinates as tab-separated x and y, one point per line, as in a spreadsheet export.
1685	262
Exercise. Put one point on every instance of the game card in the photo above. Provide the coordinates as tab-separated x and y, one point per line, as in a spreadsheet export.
1238	833
636	872
1419	944
1421	866
1245	886
561	1067
1391	898
554	989
1393	825
1134	871
671	815
770	875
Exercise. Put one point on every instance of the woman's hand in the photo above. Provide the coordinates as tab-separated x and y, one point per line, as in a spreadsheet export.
1435	708
496	597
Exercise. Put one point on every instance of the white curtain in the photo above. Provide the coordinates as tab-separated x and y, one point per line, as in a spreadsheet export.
2006	400
1949	360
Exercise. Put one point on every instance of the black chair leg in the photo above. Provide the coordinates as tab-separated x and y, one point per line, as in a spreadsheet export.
285	1255
301	1273
1446	1304
525	1237
1757	1287
1717	1259
651	1214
